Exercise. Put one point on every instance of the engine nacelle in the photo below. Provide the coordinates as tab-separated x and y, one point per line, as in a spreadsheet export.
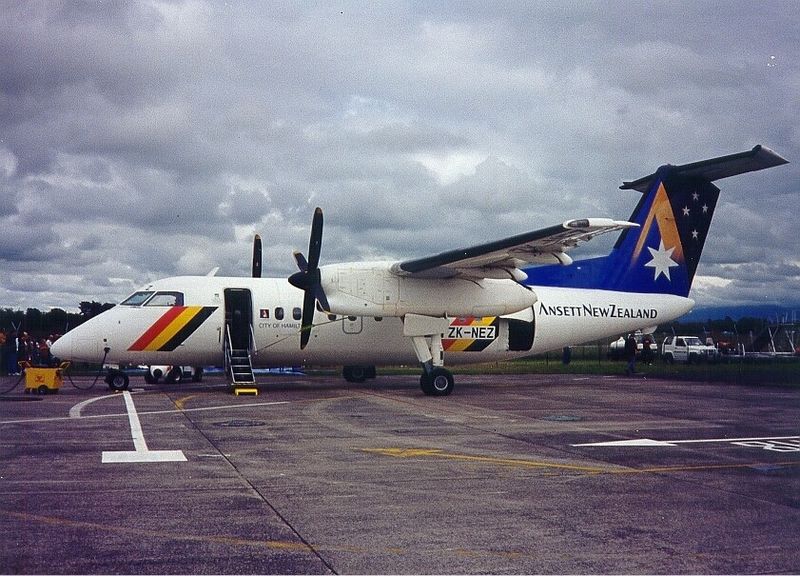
371	289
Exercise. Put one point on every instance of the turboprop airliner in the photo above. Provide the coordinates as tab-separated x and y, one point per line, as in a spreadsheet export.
500	300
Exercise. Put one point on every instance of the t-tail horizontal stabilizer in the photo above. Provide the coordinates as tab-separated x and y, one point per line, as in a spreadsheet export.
674	215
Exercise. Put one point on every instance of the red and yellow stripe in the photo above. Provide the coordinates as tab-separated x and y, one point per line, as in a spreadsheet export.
172	328
468	344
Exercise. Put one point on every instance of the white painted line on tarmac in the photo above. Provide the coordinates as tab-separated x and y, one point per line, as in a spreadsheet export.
138	457
650	442
141	452
75	411
151	412
624	443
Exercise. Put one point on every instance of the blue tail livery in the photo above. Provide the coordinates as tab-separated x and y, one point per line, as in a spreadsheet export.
674	215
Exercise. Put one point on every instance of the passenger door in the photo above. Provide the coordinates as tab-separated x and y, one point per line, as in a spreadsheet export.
239	317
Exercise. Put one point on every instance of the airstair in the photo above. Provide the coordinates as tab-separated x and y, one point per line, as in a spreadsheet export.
238	364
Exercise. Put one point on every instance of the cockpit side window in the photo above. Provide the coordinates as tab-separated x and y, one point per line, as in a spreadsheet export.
136	299
166	299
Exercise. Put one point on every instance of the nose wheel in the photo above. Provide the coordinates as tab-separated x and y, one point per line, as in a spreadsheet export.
117	380
437	382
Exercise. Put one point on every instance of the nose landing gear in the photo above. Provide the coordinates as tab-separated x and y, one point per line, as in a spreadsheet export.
117	380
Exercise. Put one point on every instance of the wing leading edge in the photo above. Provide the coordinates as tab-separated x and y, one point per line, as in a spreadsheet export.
502	258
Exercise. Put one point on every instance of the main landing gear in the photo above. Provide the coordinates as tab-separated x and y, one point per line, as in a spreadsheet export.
426	333
437	381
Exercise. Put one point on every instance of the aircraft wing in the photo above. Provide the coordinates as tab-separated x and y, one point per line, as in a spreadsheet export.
502	258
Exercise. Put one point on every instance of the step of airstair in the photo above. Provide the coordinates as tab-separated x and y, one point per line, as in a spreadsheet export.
241	368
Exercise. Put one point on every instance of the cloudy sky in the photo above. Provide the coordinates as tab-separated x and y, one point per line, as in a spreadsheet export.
147	139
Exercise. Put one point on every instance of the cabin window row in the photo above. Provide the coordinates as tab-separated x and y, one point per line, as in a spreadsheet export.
279	313
169	298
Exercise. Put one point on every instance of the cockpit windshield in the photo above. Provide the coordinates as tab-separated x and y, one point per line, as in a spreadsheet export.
136	299
166	299
150	298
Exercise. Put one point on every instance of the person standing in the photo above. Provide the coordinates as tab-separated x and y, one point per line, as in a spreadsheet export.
630	354
23	348
11	353
647	349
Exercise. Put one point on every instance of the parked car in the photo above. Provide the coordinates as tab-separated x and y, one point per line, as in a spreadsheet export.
689	349
616	350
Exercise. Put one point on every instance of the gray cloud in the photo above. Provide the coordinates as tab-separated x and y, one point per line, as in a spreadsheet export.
147	139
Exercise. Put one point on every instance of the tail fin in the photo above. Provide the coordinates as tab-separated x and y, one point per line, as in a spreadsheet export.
674	215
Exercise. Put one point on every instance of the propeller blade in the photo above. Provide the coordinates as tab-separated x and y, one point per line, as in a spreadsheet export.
257	257
323	300
308	318
315	242
302	263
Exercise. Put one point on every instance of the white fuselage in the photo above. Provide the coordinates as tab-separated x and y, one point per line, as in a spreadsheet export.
156	334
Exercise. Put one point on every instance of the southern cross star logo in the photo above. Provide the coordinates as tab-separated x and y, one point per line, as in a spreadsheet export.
662	261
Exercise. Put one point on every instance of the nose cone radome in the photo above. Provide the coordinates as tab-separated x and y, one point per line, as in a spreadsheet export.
62	348
81	344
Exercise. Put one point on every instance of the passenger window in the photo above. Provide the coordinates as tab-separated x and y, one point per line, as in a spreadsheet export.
680	342
297	314
166	299
279	313
136	299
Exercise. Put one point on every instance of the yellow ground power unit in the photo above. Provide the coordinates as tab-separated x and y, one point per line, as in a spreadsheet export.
43	380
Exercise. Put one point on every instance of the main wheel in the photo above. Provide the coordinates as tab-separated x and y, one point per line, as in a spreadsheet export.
425	384
439	382
354	373
174	376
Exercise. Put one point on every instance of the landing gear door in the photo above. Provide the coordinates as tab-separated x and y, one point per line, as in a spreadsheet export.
239	317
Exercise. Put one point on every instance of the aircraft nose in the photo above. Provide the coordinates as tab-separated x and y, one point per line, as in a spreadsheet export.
76	345
62	348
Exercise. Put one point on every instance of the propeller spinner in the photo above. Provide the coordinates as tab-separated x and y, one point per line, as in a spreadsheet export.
308	279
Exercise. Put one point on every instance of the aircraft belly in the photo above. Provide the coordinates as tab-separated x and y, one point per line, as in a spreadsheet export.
471	340
376	342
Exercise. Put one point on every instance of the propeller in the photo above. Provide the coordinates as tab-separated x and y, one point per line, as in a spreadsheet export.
309	279
257	256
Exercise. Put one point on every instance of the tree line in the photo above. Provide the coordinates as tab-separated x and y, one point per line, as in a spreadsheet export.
55	321
58	321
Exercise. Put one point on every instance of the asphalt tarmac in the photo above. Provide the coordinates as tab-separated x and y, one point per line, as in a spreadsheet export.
315	475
